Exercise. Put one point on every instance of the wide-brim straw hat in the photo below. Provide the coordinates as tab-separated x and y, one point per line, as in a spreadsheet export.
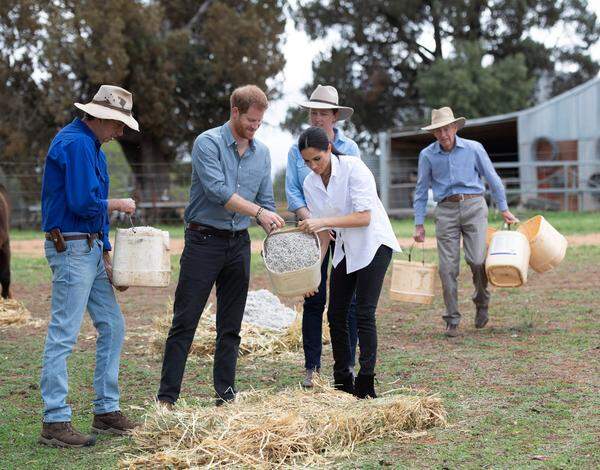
326	97
442	117
111	102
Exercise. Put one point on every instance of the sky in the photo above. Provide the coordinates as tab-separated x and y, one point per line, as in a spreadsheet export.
299	51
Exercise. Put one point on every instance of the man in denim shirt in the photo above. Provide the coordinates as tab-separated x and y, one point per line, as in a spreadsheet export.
324	112
453	168
75	217
231	183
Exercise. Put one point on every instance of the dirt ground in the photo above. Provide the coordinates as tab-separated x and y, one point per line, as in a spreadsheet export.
36	247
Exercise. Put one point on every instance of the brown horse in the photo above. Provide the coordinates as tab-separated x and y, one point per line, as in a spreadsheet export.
4	243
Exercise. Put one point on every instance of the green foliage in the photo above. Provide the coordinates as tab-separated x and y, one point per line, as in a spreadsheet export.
384	46
473	89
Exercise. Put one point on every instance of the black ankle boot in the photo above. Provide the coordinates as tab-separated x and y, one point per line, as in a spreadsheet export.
344	382
364	387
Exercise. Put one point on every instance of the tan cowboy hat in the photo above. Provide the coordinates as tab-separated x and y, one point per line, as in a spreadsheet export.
111	102
442	117
326	97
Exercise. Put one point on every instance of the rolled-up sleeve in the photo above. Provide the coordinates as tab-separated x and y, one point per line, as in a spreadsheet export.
293	186
362	189
421	189
264	197
487	170
82	186
205	161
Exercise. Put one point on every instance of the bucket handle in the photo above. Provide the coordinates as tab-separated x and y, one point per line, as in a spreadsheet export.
411	249
131	222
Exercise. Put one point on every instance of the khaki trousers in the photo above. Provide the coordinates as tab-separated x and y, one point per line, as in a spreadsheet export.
469	219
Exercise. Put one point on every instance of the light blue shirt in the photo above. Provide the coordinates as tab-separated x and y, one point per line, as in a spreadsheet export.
297	171
456	172
218	172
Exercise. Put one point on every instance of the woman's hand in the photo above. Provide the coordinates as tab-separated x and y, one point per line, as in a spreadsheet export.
309	294
311	225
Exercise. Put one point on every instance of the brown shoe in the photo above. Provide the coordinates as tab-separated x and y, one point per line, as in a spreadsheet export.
452	331
166	404
114	422
64	435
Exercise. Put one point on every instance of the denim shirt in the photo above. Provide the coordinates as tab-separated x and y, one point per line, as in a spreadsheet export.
456	172
75	183
218	172
297	171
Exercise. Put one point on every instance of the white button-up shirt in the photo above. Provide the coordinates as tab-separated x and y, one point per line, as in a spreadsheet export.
351	189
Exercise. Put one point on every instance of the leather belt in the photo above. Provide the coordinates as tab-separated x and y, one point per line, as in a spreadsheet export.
208	230
84	236
460	197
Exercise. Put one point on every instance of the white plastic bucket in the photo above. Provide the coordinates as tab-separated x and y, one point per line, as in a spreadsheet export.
507	260
293	283
141	258
413	281
548	246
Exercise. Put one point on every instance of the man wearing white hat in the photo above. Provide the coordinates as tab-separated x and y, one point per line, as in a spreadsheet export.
75	217
453	167
324	111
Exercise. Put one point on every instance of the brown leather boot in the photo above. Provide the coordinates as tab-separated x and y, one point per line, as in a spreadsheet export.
64	435
114	422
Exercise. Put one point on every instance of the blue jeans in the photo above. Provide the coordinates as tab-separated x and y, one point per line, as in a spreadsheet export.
79	280
312	321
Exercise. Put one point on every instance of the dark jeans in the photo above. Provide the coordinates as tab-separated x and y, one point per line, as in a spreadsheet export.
312	321
206	260
366	282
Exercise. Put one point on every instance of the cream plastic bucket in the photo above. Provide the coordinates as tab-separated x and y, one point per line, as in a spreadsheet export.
507	259
413	281
293	283
141	258
548	246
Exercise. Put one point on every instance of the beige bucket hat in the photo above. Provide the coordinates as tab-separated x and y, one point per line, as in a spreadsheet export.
111	102
442	117
326	97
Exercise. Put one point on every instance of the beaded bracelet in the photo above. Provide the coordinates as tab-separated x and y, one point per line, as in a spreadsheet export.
260	209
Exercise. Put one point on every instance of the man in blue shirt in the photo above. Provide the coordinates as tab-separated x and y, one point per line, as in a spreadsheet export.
324	112
75	217
231	183
453	168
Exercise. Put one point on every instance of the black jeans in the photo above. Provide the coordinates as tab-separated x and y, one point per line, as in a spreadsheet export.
367	283
206	260
312	320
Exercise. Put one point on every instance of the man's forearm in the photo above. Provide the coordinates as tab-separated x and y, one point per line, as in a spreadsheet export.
240	205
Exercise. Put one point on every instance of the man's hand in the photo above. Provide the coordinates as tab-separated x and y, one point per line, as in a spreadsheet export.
303	213
109	271
311	225
419	235
122	205
509	218
269	221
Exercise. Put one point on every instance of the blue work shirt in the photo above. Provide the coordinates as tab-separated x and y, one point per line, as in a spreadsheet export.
297	170
218	172
456	172
75	183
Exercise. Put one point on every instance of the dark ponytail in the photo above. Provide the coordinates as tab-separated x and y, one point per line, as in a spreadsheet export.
316	138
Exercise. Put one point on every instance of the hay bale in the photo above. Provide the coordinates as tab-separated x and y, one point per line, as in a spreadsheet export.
13	313
272	430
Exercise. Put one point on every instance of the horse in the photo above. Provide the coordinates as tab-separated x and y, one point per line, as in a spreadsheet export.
4	243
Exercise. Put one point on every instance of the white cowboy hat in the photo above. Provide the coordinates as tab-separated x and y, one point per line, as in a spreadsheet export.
111	102
442	117
326	97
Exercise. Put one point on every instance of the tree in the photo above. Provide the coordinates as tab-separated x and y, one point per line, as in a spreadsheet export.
180	58
384	46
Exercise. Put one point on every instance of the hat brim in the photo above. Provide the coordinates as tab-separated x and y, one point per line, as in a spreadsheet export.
344	112
102	112
461	123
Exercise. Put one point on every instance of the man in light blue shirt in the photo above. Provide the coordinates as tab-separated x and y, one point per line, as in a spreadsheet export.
324	112
452	167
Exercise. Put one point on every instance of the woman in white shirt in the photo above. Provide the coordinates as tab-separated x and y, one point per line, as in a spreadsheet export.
341	194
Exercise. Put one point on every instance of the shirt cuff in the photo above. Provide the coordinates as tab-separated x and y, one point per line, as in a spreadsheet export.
419	219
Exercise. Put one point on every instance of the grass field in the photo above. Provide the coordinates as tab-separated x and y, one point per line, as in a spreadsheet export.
522	393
